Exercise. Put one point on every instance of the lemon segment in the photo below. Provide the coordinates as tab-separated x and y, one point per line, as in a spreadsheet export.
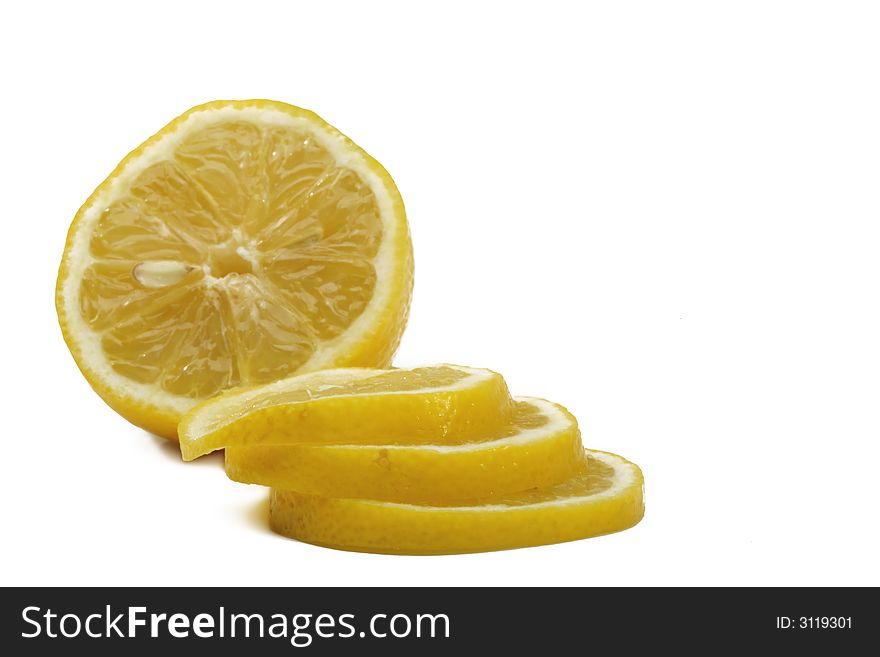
445	404
605	497
539	447
245	242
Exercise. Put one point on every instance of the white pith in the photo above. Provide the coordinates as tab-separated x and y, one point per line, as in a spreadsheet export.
88	341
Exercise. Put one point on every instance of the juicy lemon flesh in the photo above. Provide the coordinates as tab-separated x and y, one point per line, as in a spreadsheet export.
231	261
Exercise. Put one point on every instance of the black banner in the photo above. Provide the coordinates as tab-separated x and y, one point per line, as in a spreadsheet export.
333	621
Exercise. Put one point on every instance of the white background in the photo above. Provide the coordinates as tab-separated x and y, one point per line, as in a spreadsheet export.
662	215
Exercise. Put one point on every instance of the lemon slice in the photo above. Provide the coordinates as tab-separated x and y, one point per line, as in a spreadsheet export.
605	497
540	446
443	403
245	242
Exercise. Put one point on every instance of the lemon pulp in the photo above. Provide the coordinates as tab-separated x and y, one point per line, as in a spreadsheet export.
227	263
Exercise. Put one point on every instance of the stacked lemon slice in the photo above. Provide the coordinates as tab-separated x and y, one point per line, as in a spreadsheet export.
431	460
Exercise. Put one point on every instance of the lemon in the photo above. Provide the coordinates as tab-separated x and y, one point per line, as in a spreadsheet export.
245	242
445	403
605	497
538	447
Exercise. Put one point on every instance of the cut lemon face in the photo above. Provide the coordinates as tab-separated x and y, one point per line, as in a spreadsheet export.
538	447
443	403
605	497
245	242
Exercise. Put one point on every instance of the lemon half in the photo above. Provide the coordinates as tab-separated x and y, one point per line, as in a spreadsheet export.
245	242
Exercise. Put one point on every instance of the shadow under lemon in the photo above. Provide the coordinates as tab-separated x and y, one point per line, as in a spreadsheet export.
255	514
171	450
